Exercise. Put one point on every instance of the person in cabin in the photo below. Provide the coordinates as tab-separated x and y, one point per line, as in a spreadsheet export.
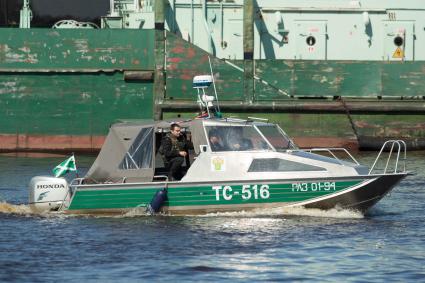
175	150
237	141
215	141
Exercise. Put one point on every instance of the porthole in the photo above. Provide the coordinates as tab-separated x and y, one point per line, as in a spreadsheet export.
311	40
398	40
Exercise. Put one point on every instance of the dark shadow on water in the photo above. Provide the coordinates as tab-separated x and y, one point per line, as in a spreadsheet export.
377	212
202	268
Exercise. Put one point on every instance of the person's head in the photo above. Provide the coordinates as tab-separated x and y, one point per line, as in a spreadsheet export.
213	136
175	130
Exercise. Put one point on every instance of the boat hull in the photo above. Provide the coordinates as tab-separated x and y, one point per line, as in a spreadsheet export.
360	199
356	193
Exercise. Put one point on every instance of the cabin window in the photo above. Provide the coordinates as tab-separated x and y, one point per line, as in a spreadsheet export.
139	155
235	138
275	137
280	165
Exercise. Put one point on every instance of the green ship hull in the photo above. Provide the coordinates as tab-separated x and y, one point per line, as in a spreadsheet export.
60	89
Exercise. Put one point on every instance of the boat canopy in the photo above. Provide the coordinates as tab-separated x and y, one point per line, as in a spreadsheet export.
128	152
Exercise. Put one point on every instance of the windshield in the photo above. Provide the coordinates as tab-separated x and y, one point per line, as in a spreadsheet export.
279	140
235	138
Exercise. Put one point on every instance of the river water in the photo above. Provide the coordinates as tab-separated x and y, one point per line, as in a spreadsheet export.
387	244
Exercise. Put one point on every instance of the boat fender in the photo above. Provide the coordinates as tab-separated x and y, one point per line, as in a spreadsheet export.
157	201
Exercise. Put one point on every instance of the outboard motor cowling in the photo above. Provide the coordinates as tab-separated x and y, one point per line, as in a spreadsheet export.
47	193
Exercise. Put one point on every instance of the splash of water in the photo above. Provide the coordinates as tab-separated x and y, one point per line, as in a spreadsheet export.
135	212
294	211
276	211
26	210
20	209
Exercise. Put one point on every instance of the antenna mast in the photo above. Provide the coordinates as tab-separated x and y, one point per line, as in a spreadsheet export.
213	81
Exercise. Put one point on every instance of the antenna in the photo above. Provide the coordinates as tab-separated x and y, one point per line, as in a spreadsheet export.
213	81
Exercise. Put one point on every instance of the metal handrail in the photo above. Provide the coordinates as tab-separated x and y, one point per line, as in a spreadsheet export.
76	182
401	146
79	181
331	153
165	177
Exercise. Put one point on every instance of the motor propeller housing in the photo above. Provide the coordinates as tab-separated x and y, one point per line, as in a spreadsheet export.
47	193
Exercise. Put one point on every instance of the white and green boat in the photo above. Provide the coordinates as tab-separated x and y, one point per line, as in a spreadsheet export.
255	165
265	170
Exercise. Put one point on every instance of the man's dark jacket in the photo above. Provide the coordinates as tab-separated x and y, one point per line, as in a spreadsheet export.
171	146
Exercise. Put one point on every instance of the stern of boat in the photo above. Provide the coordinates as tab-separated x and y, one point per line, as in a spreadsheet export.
48	193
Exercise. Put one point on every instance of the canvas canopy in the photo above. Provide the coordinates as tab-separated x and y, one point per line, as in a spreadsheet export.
127	153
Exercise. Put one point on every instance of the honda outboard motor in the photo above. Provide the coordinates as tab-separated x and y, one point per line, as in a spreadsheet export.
157	201
47	193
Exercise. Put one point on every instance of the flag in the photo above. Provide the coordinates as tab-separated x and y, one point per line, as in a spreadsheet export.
65	167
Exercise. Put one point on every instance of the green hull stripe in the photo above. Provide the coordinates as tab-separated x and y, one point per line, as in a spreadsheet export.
195	196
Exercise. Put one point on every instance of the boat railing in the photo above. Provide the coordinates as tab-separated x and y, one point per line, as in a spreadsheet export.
395	145
332	151
82	181
160	178
77	181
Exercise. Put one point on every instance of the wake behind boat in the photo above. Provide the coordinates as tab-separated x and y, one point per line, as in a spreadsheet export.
255	165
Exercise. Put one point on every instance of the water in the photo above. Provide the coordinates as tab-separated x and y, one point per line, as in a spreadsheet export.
277	245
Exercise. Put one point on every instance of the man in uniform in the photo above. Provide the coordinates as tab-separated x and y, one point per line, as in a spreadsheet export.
175	152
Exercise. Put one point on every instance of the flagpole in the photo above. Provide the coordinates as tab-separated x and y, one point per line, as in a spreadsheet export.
76	169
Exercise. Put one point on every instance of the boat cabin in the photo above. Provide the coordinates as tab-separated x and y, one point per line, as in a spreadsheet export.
131	152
